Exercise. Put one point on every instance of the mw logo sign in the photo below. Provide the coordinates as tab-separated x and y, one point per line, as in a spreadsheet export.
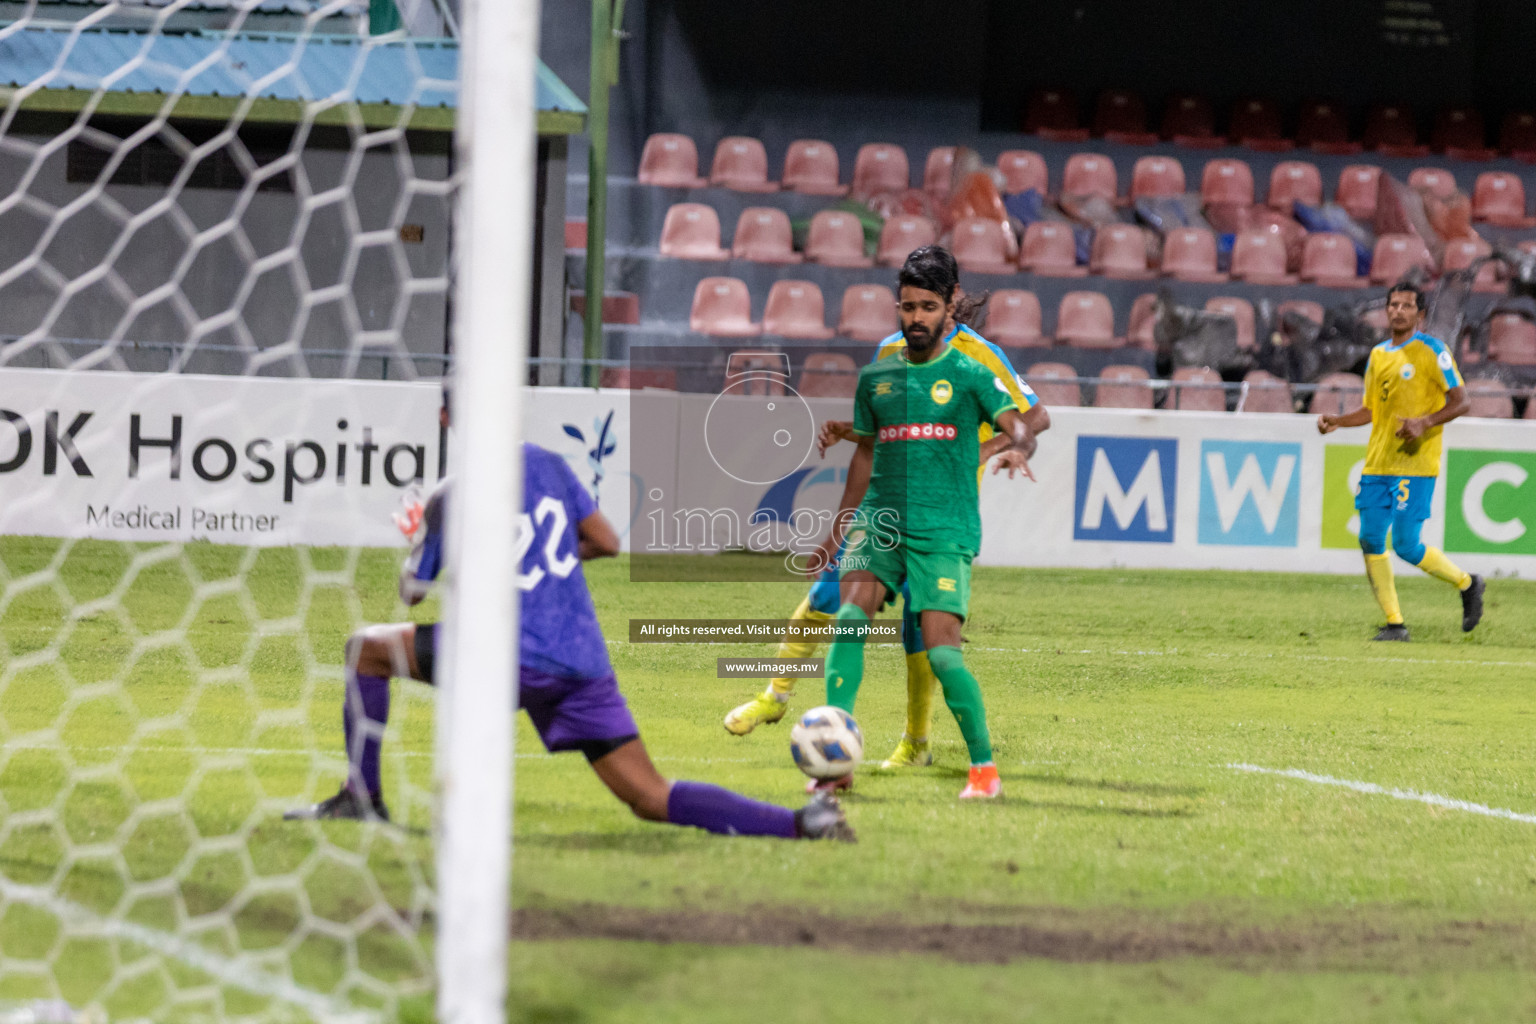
1490	502
1249	493
1126	489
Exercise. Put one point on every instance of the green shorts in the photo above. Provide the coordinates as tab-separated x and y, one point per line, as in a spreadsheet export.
936	580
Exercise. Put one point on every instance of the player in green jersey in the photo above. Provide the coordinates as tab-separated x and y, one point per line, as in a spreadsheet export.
911	508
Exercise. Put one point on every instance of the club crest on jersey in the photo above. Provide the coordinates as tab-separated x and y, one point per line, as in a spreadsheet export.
1407	371
1444	360
941	392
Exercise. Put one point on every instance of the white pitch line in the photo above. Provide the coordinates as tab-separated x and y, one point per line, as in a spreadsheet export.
1433	799
230	972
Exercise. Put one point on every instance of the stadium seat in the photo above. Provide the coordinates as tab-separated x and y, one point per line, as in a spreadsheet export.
1328	259
1241	312
828	375
1323	126
1390	130
766	369
1157	176
1086	320
1337	393
1358	184
1189	121
692	232
1265	393
636	378
741	164
1294	181
1054	383
1013	318
1121	116
1256	124
723	307
1258	257
1395	255
1120	251
1512	340
880	167
1090	174
763	235
1050	250
796	309
671	161
868	313
902	234
810	167
1376	320
1499	198
1435	181
1189	254
1460	135
1141	325
1123	387
1491	398
1052	114
980	246
836	239
1023	169
1461	253
1305	307
1517	135
1187	395
938	171
1227	181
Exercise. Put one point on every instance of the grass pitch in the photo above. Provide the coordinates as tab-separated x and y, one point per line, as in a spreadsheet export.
159	708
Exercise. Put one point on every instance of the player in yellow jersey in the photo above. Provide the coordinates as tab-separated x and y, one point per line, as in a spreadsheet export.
1412	389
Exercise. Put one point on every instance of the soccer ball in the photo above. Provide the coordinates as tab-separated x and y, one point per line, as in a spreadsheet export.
826	743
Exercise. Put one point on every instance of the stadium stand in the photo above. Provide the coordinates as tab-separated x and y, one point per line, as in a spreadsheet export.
722	307
810	167
1512	340
763	372
1013	318
1459	133
1141	323
1052	114
1121	116
741	164
868	313
1123	387
1090	174
836	239
1157	176
1227	181
1189	120
1322	126
1256	123
1189	254
1264	392
637	378
1054	384
1023	169
692	232
1337	393
902	234
1294	181
796	309
1242	313
1358	185
880	167
1328	259
828	375
1258	257
1434	180
671	161
1461	253
1050	250
980	246
1490	398
938	171
1120	251
1498	197
1197	388
1086	320
1517	135
1390	130
763	235
1395	255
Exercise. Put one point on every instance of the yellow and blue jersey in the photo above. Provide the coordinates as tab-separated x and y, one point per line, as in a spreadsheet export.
1402	382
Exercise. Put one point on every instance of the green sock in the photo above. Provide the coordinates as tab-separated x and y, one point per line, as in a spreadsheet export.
845	659
963	695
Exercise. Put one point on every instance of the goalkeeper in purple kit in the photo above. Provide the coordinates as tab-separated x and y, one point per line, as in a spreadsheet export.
566	683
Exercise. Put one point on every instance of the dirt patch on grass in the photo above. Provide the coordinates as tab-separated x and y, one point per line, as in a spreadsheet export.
1049	934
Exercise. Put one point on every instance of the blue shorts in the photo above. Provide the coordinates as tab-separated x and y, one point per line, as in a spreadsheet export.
1408	497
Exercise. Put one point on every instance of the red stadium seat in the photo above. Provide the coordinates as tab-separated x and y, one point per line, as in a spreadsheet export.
810	167
1460	135
868	313
1433	180
1258	257
1050	250
880	167
671	161
1337	393
1329	259
836	239
1013	318
1294	181
938	171
1157	176
1227	181
1491	398
1517	135
1197	388
1023	170
1512	340
1324	127
1123	387
1395	255
1189	254
1390	129
796	309
1256	124
636	378
1141	326
1090	174
768	370
1461	253
1190	121
980	246
1264	392
1358	185
902	234
1055	385
1120	251
723	307
741	164
1499	198
1086	320
1305	307
1241	312
1052	114
1121	116
763	235
828	375
692	232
